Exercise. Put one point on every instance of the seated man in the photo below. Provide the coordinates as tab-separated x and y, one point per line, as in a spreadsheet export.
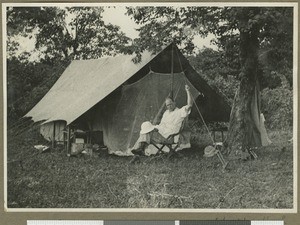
170	124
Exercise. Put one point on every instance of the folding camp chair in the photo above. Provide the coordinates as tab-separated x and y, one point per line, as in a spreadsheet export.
170	141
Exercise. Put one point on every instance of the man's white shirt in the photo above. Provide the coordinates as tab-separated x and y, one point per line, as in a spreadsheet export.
171	121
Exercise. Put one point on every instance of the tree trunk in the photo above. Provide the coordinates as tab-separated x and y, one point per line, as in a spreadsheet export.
244	130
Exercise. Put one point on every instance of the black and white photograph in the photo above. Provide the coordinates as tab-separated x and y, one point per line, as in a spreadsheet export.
150	107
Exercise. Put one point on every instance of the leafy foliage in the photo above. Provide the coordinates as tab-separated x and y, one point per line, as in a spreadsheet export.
212	65
163	25
27	83
276	54
277	104
67	33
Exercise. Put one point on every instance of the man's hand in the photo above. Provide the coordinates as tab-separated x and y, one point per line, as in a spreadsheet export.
156	127
189	98
187	88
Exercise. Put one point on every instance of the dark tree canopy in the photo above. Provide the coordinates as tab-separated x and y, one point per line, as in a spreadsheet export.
162	25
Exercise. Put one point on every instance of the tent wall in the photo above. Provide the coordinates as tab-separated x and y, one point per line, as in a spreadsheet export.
47	129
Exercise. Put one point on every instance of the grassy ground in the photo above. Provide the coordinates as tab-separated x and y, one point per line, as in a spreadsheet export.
53	180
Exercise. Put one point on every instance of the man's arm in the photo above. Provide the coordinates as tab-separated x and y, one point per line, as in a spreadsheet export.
189	97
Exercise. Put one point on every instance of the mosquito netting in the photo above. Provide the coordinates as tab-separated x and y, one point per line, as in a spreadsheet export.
139	102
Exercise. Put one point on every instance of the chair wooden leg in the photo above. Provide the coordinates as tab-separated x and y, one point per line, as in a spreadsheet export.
159	149
172	150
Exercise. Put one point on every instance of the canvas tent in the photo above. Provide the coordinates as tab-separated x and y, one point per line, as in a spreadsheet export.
114	96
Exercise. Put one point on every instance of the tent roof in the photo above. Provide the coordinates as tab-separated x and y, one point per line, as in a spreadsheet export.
83	84
86	82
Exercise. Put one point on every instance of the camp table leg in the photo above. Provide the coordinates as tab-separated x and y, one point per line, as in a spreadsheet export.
53	135
220	156
253	154
64	140
68	141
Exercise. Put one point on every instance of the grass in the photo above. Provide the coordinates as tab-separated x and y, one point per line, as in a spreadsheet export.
53	180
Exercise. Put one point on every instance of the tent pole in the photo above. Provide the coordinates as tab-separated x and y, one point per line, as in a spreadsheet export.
53	135
172	70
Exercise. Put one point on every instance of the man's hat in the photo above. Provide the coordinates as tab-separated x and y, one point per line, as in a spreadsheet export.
210	151
146	127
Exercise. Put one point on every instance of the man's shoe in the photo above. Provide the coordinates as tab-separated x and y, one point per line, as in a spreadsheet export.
138	151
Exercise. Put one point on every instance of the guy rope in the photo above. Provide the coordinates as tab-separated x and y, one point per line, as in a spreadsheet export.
215	145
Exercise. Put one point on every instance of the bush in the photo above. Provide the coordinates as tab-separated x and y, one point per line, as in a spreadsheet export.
277	104
27	83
